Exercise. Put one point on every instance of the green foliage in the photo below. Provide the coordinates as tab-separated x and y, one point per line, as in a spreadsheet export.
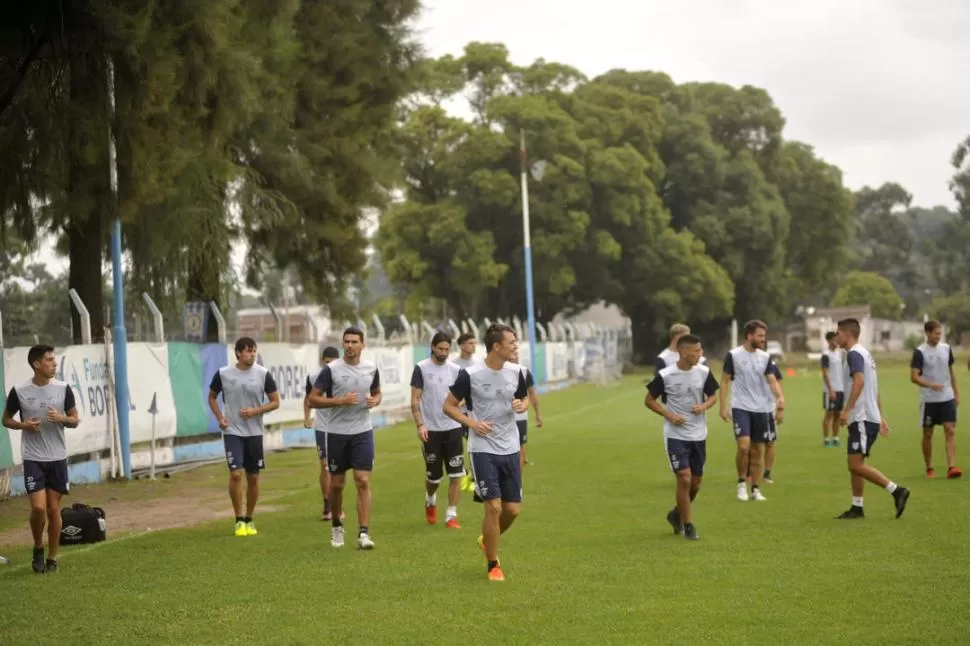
954	312
867	288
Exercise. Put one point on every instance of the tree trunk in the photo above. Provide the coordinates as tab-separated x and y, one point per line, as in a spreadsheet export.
205	277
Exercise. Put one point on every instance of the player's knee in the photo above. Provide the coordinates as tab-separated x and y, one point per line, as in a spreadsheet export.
493	507
235	477
510	510
683	479
949	430
38	507
928	433
362	480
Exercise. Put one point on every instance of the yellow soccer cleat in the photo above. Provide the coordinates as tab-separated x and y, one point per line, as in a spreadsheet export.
251	529
241	529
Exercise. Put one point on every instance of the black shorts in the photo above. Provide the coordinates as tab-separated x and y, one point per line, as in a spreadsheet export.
443	452
751	424
321	438
834	405
523	425
684	454
46	475
346	452
862	435
938	413
244	452
497	476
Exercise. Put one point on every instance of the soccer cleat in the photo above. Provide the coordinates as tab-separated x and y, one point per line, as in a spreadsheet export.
431	514
495	574
673	517
953	473
851	513
364	542
337	537
452	523
901	497
251	529
37	562
756	495
467	484
326	516
931	472
836	442
827	442
742	492
481	543
51	566
241	529
690	532
769	480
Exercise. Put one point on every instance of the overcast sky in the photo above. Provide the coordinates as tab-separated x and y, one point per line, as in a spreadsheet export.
877	86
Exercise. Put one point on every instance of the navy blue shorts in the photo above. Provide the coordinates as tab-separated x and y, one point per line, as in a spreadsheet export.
321	438
937	413
862	435
346	452
772	428
684	454
835	405
751	424
497	476
244	452
523	425
443	452
46	475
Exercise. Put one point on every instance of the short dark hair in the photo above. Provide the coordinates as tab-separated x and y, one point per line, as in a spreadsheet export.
688	339
496	334
464	337
931	325
330	352
440	337
37	352
356	331
830	335
753	326
245	343
851	326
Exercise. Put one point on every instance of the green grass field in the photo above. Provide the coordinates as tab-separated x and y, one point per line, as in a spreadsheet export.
591	559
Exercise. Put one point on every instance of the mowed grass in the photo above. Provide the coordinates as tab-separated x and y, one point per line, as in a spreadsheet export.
591	560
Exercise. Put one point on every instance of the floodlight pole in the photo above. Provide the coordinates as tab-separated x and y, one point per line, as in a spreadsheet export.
527	250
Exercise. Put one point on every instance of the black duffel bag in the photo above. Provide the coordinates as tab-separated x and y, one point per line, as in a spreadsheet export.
82	524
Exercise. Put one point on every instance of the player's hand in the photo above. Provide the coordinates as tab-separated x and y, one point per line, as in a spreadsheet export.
349	399
371	401
538	421
520	405
936	387
308	422
780	404
844	417
698	409
482	428
32	424
779	416
248	413
831	395
956	399
223	423
677	419
422	432
884	429
53	415
725	415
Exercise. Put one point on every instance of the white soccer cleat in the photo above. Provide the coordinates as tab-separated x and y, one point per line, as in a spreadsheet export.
364	542
742	492
756	495
337	537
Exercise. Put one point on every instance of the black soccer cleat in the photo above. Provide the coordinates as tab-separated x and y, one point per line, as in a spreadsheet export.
901	497
690	532
853	512
37	563
51	565
673	517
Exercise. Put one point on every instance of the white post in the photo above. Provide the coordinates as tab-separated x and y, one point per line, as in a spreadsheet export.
381	335
473	327
428	330
455	330
279	323
734	333
157	319
409	337
83	314
220	322
541	330
313	332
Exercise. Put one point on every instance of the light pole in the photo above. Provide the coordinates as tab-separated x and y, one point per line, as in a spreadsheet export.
537	172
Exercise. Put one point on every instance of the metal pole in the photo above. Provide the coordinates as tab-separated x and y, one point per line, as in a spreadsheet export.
83	314
527	250
381	332
279	323
407	329
473	327
156	318
120	335
220	321
455	330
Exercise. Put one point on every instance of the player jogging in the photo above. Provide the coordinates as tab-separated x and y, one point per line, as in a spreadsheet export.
318	422
349	387
493	392
747	386
466	359
522	419
441	439
939	396
863	414
833	385
243	386
46	407
689	390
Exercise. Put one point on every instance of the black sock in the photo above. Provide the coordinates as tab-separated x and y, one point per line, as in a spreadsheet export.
741	480
492	565
693	494
754	487
363	530
767	473
247	519
336	521
38	550
240	519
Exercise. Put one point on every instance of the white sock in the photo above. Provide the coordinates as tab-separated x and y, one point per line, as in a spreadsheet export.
431	500
451	512
856	501
891	487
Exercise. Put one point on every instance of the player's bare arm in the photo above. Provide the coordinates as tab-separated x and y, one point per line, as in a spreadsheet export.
375	398
452	409
534	402
917	378
416	394
520	405
654	405
217	410
726	397
828	383
319	400
699	409
68	420
858	381
953	384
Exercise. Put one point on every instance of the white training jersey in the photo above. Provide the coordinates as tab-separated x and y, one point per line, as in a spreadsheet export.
749	372
933	363
866	408
835	362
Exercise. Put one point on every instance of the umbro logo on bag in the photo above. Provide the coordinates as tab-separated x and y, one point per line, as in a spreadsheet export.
71	530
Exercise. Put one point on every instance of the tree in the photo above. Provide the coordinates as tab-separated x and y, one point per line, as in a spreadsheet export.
884	244
954	312
867	288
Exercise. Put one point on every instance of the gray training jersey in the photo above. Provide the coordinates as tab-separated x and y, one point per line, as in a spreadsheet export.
337	379
243	389
832	359
684	389
933	363
320	414
749	379
866	408
434	381
32	401
489	394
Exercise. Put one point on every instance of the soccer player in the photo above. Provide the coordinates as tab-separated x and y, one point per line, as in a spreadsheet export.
243	387
466	359
833	395
774	420
747	386
932	370
441	439
522	419
350	387
493	392
318	422
46	407
863	414
689	390
669	356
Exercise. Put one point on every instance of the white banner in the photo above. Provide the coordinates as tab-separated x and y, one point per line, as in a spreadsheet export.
557	361
148	384
290	366
395	366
